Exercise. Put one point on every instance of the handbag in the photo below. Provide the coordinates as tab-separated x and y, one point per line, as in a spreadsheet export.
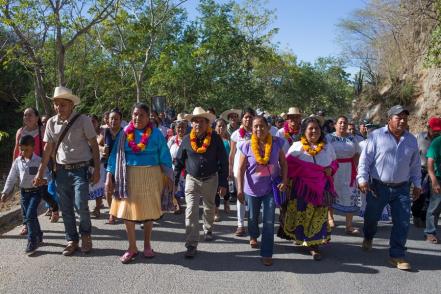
279	196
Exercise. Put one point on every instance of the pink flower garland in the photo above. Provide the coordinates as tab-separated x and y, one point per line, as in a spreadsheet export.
130	133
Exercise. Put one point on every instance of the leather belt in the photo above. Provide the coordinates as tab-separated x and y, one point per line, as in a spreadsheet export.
30	190
204	178
392	185
73	166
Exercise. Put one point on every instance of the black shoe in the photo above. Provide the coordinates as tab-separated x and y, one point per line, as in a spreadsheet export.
208	236
31	247
191	252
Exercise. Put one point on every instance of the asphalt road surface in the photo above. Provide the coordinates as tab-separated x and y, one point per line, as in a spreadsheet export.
227	265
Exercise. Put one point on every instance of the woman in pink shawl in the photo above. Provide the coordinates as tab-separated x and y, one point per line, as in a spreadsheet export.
311	165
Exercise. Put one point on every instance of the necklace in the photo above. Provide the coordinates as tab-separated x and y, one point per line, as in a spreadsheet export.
288	132
205	143
308	149
243	133
256	150
130	133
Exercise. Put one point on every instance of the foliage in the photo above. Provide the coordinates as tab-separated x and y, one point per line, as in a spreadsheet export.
223	59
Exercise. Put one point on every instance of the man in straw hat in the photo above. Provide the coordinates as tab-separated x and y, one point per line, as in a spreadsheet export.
72	157
290	132
232	117
388	164
202	154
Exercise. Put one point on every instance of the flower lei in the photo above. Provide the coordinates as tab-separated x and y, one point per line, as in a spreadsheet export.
130	133
242	132
288	133
205	143
309	150
256	151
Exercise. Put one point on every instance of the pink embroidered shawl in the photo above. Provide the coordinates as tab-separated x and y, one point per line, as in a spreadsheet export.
309	180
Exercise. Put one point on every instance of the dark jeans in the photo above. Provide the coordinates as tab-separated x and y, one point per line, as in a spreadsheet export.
29	205
73	192
419	206
217	200
399	200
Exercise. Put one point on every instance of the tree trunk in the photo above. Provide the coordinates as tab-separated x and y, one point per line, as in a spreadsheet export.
60	65
40	93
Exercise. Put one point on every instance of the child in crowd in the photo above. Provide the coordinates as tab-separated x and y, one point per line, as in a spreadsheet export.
23	170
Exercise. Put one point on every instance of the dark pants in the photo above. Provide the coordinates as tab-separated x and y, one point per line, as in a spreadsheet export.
399	200
29	205
419	206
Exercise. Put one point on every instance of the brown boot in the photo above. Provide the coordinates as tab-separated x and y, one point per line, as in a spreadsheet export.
86	243
70	249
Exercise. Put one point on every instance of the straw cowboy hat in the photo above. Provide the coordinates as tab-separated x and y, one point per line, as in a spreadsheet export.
200	112
294	111
181	117
283	115
65	93
224	115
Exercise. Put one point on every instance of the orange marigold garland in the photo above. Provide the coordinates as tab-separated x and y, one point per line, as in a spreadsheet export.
256	150
205	143
308	149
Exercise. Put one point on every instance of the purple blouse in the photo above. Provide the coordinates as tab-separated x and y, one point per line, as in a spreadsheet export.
258	177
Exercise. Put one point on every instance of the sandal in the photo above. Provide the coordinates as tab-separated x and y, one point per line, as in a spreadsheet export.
431	239
24	230
55	216
352	231
149	253
315	253
128	257
111	220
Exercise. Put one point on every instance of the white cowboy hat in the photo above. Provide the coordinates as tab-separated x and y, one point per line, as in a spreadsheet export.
294	111
200	112
226	113
181	117
65	93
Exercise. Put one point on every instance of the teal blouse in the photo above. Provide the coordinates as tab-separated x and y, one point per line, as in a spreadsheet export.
156	152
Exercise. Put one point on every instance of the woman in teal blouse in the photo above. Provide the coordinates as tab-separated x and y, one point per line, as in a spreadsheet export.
141	165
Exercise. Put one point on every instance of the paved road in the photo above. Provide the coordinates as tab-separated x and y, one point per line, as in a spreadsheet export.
227	265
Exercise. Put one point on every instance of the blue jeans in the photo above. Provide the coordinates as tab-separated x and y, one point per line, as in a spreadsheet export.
73	190
399	200
433	212
29	205
269	211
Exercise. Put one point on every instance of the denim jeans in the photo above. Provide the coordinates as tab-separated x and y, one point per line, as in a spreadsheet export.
399	200
29	205
433	212
73	189
269	211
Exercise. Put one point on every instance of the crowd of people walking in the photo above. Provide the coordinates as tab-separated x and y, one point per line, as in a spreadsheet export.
306	167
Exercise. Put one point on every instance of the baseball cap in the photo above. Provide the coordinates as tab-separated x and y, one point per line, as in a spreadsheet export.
397	109
435	123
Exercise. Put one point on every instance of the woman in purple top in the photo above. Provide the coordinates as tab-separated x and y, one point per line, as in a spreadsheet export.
261	160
